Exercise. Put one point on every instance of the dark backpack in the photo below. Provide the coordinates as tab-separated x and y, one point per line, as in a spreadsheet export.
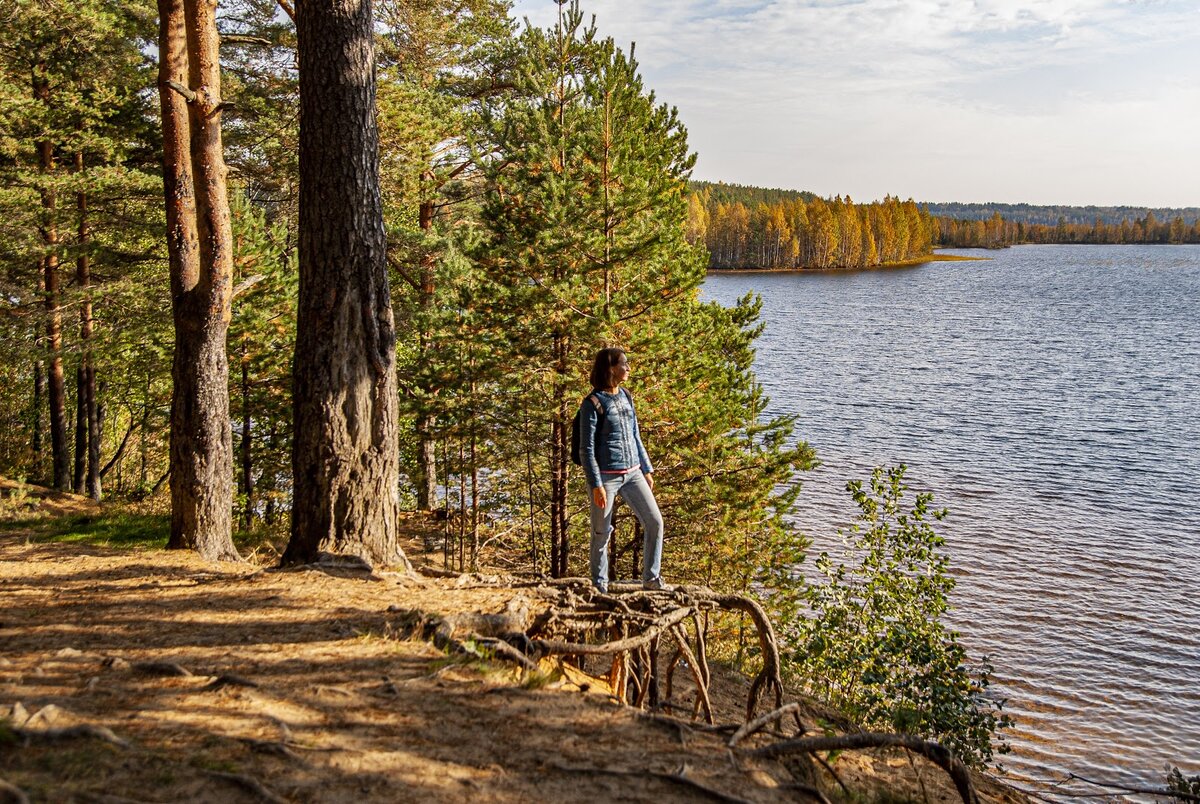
576	452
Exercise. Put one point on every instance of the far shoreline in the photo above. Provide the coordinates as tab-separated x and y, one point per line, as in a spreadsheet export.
935	257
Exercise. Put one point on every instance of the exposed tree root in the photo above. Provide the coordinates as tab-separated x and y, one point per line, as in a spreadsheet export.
11	794
932	751
628	625
761	722
644	637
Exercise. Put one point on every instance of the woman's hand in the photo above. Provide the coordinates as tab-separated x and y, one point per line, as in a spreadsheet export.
599	497
650	480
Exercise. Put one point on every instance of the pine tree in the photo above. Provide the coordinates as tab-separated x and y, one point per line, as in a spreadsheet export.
586	232
74	154
438	60
345	453
200	246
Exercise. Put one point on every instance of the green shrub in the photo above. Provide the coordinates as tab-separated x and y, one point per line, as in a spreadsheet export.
1178	783
874	643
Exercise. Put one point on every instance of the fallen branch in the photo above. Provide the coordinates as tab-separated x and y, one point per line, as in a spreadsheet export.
1144	791
932	751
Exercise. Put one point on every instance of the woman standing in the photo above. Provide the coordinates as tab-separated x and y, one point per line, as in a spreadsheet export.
615	462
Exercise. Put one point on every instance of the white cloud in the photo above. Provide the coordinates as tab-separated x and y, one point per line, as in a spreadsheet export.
949	99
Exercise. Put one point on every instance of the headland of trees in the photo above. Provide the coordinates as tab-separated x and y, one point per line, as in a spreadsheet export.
745	227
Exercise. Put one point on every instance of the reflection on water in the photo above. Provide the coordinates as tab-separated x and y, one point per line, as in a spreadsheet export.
1051	399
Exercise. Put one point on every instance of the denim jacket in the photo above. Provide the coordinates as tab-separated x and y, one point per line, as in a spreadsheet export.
617	443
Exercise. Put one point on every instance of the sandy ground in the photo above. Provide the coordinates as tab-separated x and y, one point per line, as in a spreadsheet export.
341	709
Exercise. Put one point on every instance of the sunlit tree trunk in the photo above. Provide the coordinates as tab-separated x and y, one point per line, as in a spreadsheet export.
200	248
345	456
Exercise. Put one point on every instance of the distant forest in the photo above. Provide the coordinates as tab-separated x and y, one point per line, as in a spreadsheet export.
756	227
753	227
998	232
1050	215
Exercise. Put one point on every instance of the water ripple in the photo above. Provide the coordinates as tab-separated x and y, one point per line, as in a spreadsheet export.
1051	399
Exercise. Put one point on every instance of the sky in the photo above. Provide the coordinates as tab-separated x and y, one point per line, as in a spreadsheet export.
1040	101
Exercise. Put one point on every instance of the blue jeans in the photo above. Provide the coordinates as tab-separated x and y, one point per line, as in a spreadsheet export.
635	491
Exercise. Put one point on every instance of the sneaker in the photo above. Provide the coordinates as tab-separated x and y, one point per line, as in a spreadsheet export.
654	585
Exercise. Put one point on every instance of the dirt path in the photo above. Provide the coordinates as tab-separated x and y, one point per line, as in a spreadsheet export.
340	709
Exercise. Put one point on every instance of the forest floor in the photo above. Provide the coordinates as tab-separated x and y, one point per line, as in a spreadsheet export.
130	673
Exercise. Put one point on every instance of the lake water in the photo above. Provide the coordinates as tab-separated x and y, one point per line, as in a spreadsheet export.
1050	397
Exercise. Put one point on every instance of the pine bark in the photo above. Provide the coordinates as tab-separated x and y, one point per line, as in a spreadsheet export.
200	251
345	456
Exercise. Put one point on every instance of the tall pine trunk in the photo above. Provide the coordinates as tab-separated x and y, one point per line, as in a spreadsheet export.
426	445
247	468
87	423
199	247
56	383
560	452
80	473
345	456
35	441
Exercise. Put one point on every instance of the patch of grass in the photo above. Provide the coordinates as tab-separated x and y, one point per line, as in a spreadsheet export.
110	529
538	679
